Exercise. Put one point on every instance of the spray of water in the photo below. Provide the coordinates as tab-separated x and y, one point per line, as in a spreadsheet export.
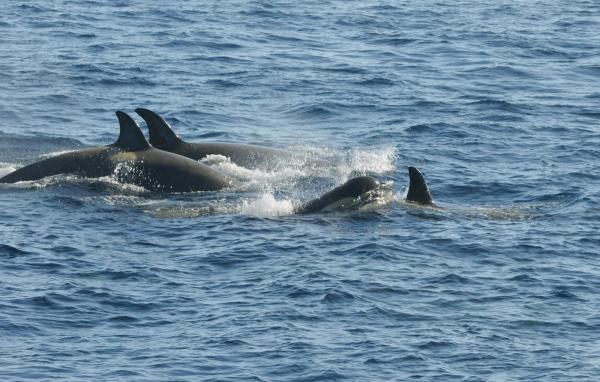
6	168
266	206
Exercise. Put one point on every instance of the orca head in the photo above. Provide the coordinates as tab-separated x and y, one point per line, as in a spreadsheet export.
357	186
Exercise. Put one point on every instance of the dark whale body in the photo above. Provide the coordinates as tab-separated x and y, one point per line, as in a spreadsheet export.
163	137
347	193
132	160
356	192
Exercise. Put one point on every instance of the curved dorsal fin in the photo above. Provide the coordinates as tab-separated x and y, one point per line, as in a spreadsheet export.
418	191
161	133
130	134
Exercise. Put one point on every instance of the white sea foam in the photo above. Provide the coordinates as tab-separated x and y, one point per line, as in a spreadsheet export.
6	168
342	164
246	175
376	161
306	162
267	206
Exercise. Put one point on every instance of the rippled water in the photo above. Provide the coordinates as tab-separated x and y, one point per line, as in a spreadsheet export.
497	103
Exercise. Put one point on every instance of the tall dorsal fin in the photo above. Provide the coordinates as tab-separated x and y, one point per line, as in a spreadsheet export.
418	191
130	134
161	133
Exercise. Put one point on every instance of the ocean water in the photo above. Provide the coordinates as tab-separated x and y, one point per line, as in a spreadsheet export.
498	103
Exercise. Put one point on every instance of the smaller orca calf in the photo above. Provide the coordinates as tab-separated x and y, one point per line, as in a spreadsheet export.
163	137
355	193
362	190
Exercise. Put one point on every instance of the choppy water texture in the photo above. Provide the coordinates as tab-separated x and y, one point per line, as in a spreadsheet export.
497	103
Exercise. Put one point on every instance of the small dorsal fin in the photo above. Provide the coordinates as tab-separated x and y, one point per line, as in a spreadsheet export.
161	133
418	191
130	134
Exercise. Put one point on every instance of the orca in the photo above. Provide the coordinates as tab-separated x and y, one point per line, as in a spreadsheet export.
354	194
361	190
132	160
162	136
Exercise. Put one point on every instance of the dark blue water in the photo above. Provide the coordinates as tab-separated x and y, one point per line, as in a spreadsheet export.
498	104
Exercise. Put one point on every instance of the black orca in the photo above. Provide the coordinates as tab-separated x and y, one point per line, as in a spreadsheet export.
132	160
361	190
353	194
163	137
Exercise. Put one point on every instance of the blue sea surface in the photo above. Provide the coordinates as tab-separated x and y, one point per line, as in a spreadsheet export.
498	103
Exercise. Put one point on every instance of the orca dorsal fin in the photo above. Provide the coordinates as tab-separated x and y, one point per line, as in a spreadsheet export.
130	134
161	133
418	191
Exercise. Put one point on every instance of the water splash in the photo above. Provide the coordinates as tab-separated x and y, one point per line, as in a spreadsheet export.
307	162
267	206
6	168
